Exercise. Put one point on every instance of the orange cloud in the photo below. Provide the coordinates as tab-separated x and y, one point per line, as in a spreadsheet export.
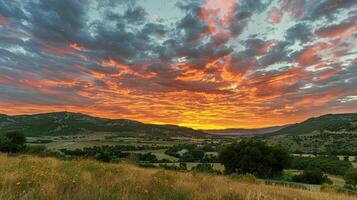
77	47
309	56
3	21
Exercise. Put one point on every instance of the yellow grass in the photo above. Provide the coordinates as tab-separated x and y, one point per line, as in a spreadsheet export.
26	177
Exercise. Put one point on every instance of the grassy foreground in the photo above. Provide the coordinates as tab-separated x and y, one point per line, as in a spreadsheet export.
27	177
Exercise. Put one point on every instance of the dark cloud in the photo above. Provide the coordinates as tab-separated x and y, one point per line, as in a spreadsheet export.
192	27
328	8
11	9
301	32
276	54
241	63
56	20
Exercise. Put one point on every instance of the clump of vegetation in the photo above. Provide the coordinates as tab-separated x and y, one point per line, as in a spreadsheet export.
12	142
192	153
114	153
205	168
181	167
254	157
312	176
351	179
327	164
41	141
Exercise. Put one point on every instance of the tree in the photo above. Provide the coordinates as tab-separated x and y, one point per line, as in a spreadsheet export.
327	164
351	178
312	176
254	157
12	142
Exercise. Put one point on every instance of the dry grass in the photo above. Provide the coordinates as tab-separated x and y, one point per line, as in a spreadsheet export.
27	178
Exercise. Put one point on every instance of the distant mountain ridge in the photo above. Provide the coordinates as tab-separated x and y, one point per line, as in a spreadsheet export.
245	132
68	123
335	122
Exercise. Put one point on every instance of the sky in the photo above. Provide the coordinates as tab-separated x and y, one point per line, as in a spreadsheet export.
205	64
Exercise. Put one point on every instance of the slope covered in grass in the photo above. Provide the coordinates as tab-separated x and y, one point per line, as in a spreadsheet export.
67	123
26	177
318	124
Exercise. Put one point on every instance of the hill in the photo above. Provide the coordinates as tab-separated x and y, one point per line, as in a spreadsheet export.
244	132
27	177
67	123
330	122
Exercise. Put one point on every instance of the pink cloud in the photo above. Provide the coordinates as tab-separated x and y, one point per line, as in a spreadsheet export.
276	16
3	21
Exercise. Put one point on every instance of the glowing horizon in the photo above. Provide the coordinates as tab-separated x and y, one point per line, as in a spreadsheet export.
204	64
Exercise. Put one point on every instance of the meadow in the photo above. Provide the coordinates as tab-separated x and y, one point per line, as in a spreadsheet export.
28	177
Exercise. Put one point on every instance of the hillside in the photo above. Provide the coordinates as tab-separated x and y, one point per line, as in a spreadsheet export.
330	122
67	123
27	177
244	132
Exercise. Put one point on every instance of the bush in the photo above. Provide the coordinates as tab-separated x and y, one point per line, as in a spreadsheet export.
205	168
190	153
312	176
35	149
254	157
103	156
181	167
12	142
331	165
351	178
53	153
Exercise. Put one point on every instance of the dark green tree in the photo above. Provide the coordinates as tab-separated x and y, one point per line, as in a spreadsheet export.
254	157
351	178
311	176
12	142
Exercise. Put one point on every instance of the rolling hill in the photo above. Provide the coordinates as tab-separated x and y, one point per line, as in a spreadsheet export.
331	122
244	132
67	123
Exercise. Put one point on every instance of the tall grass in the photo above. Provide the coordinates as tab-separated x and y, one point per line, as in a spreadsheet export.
27	178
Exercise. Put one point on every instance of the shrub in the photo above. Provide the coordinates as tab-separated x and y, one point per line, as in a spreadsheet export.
351	178
254	157
312	176
205	168
327	164
181	167
53	153
12	142
35	149
103	156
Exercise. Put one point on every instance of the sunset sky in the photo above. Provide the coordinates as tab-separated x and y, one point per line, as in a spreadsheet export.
205	64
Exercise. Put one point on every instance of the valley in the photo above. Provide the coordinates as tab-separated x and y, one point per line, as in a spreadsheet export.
72	136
